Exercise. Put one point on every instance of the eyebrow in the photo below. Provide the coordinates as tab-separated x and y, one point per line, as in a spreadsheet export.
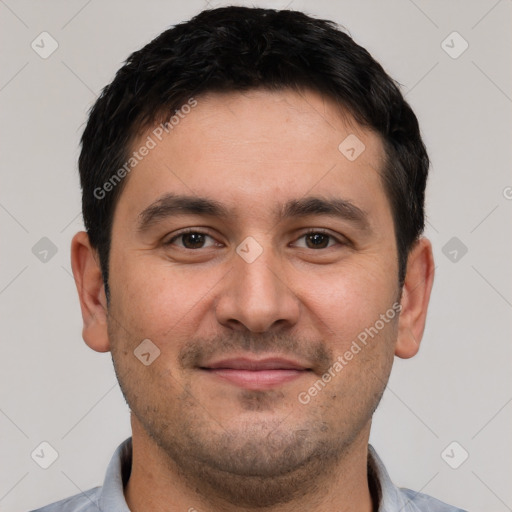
173	204
334	207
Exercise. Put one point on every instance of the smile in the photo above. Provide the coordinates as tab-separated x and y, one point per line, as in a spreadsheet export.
256	375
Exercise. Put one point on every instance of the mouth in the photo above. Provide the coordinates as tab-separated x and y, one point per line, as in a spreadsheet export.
256	374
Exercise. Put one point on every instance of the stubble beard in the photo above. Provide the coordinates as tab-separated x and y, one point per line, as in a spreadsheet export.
254	464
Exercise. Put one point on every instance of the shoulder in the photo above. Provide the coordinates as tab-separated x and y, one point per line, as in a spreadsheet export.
86	501
426	503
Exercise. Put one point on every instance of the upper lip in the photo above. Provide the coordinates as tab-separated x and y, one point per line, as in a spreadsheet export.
244	363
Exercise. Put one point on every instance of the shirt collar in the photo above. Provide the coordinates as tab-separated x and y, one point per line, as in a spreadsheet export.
391	498
118	472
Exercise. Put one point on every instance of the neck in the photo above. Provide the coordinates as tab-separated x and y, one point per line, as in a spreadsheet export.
158	484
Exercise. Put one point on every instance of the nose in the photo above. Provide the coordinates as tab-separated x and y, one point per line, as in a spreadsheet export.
255	296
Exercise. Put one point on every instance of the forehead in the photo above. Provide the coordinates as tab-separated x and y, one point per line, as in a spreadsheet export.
249	148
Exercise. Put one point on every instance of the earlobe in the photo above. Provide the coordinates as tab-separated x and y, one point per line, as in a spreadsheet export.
415	298
91	292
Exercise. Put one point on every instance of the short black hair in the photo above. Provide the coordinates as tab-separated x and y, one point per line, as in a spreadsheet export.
236	49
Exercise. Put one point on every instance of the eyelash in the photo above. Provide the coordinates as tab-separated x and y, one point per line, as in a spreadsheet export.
186	232
310	231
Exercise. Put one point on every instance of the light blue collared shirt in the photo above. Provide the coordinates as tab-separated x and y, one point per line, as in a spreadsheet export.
110	496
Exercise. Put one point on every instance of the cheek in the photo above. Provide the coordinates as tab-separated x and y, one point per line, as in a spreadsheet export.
363	360
156	300
350	298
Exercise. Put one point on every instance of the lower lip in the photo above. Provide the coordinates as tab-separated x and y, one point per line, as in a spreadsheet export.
257	379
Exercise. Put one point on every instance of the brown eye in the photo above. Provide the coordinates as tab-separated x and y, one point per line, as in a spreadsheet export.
317	240
191	240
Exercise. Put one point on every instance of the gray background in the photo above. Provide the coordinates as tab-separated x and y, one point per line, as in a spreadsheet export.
54	389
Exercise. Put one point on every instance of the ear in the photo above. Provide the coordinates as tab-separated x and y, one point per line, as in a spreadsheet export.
91	291
415	298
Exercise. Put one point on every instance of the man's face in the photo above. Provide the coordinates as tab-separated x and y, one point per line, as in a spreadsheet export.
248	310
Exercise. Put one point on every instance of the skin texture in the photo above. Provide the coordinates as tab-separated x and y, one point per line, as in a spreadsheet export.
201	441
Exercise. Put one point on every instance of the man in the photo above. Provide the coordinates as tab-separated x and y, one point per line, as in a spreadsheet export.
253	188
